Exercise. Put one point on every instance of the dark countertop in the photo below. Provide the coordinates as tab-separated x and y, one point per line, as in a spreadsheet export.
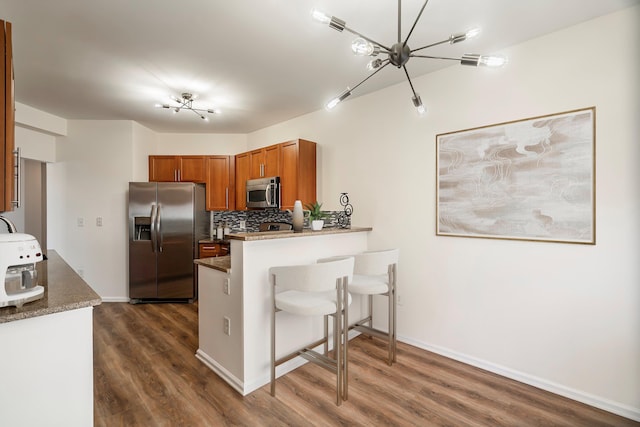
63	290
268	235
220	263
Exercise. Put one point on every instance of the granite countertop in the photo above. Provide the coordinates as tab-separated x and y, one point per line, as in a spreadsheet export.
220	263
63	290
268	235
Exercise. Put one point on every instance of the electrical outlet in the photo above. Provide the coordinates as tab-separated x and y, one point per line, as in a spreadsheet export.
80	222
226	325
398	300
227	286
99	221
243	224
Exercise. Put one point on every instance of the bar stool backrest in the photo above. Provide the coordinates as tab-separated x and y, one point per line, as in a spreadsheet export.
375	263
312	277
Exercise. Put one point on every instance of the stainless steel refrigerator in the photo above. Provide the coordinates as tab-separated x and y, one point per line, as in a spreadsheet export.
166	222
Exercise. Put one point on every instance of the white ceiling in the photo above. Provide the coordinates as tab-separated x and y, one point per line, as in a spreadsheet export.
259	61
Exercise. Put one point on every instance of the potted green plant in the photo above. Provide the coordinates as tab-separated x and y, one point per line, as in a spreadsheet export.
316	215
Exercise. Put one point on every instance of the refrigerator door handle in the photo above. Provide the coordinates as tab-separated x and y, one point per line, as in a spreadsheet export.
159	227
154	236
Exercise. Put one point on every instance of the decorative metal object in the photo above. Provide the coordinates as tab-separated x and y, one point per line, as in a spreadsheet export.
344	217
399	53
186	103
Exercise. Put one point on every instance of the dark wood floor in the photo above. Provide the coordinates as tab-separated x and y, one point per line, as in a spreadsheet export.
146	374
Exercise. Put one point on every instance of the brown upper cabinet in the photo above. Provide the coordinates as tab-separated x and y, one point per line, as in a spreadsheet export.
293	161
242	174
297	172
264	162
177	168
7	119
220	183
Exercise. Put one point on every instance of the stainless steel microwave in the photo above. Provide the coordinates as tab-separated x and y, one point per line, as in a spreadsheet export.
263	193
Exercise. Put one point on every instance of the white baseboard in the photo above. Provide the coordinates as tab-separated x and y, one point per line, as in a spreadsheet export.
231	379
115	299
580	396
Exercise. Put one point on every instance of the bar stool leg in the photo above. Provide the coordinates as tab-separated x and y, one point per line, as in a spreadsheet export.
345	336
273	341
326	335
392	288
337	351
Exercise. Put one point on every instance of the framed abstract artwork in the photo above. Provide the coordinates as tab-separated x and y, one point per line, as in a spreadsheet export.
531	179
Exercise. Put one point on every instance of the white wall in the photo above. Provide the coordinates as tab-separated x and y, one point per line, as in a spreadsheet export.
90	180
145	142
564	317
197	144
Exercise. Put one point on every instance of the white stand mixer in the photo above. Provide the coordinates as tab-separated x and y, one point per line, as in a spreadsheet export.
18	276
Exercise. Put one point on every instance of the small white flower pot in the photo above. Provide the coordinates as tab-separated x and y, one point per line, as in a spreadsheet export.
317	224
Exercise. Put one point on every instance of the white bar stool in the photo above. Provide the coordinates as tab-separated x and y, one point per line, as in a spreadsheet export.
315	290
375	274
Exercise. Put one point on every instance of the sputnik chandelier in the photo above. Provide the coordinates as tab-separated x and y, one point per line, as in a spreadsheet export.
186	103
400	53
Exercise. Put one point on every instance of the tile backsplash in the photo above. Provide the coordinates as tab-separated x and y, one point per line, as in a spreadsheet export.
253	219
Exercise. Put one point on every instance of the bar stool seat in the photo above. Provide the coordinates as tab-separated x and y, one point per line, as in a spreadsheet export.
315	290
308	303
369	285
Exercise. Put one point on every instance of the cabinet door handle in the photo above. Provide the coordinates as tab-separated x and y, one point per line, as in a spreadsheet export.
16	175
226	197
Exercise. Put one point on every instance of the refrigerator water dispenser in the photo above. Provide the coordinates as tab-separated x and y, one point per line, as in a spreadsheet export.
142	229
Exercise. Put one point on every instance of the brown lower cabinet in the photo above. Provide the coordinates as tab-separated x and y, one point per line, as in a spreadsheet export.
212	249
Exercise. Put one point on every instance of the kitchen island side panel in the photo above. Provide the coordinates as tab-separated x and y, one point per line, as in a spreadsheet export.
46	366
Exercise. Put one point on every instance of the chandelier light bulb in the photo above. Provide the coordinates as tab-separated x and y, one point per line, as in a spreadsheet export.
362	47
335	101
493	61
417	102
320	16
475	60
472	33
374	64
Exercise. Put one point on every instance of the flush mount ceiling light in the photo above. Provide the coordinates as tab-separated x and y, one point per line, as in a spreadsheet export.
400	53
186	103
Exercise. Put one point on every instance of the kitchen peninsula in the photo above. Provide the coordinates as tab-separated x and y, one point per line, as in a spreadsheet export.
235	301
46	362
